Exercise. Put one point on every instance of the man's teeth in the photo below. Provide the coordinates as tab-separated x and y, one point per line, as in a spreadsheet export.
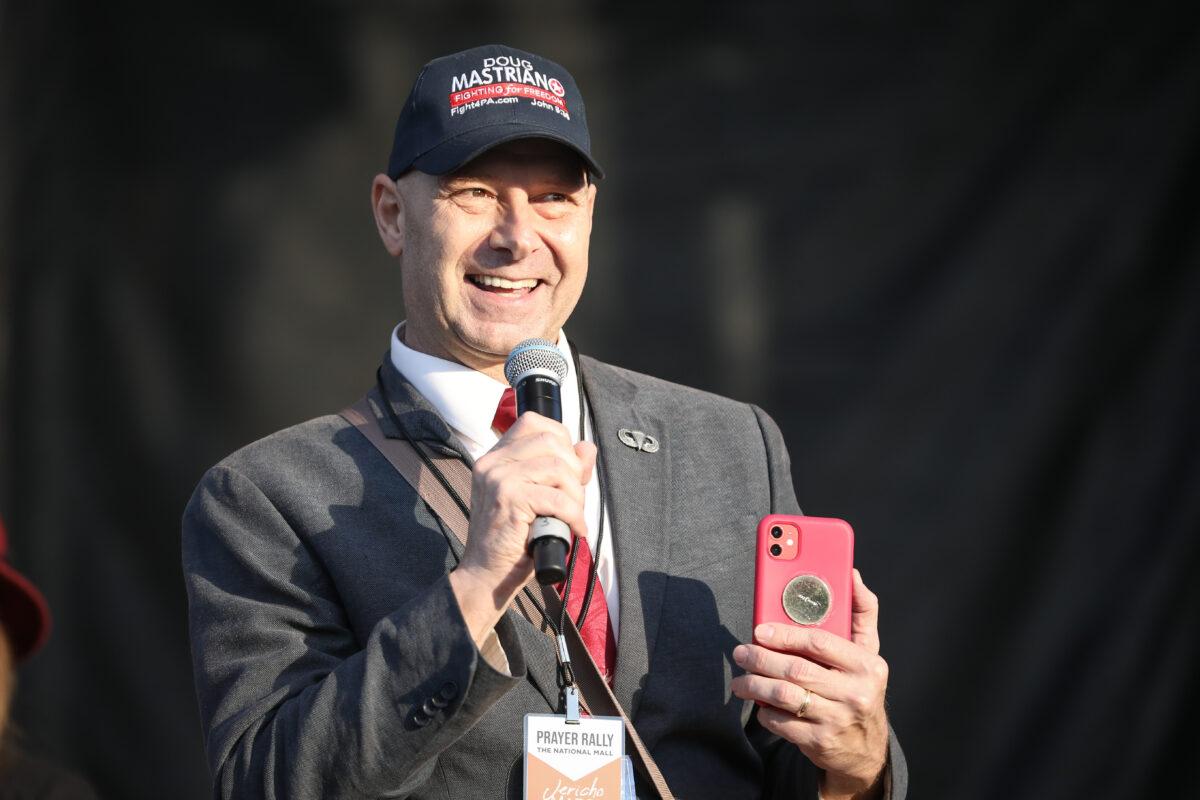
504	283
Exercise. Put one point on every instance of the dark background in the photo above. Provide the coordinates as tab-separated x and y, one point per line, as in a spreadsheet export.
953	248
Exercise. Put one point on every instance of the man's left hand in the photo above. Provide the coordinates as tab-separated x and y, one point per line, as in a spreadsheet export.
824	694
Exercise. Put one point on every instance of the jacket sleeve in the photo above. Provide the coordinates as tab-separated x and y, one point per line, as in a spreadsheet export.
789	774
294	705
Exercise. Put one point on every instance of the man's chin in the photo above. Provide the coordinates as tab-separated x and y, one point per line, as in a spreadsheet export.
497	343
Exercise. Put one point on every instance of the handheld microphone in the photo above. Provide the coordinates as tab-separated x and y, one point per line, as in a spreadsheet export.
536	369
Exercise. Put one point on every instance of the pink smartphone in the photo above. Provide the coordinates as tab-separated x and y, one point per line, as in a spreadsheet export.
803	572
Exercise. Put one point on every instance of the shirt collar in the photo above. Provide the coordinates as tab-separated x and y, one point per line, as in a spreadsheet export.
467	399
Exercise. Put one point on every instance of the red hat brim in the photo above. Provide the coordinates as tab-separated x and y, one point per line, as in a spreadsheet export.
24	612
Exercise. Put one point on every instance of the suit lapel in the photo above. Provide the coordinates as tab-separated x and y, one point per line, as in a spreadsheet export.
417	417
636	482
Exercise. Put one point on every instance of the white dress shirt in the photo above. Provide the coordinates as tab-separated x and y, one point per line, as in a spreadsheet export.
467	400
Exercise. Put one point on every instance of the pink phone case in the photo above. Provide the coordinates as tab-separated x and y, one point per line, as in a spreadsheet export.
807	580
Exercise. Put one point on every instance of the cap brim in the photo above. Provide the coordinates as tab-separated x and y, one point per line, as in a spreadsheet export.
24	612
453	153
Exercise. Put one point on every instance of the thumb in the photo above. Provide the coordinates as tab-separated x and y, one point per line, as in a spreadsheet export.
864	617
587	454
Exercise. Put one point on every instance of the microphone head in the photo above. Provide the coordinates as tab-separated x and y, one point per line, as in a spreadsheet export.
535	357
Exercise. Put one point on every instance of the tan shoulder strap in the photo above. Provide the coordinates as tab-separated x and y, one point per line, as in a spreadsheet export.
597	697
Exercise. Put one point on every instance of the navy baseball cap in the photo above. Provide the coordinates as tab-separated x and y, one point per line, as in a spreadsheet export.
467	103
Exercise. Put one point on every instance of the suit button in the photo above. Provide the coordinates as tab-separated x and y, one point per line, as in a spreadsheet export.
448	692
429	707
420	720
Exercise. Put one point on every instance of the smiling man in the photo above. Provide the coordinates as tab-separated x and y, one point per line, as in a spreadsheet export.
496	251
346	646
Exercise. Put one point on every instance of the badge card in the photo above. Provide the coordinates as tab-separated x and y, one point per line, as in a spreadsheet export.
573	760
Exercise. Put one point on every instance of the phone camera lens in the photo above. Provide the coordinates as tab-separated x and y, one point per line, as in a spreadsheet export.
776	549
776	532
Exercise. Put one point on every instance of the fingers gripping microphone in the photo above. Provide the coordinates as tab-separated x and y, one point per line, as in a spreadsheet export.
536	369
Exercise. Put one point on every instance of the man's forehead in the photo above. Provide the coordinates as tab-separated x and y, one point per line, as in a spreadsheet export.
526	153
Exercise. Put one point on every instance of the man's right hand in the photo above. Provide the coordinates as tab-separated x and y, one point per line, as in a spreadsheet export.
533	471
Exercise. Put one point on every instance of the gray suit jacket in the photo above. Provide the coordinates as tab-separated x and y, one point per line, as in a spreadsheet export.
330	657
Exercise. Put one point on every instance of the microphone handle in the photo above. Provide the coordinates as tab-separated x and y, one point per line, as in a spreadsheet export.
549	541
539	394
549	538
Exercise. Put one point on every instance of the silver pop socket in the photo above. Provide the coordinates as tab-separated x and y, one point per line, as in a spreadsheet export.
807	599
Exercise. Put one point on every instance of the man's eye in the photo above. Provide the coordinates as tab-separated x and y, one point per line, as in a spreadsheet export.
472	198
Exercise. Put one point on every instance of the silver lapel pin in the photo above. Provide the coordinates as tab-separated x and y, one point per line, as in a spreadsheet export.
638	440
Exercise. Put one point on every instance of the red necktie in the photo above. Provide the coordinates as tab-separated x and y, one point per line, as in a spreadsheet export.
506	412
596	632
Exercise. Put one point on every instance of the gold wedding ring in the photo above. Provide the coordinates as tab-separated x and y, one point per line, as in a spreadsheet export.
800	712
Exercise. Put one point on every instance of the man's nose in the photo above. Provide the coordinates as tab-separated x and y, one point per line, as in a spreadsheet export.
515	229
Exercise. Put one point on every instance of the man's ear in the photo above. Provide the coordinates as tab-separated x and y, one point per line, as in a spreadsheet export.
388	206
591	200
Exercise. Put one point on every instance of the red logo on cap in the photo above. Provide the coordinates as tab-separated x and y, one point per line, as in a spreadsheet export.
557	87
496	90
